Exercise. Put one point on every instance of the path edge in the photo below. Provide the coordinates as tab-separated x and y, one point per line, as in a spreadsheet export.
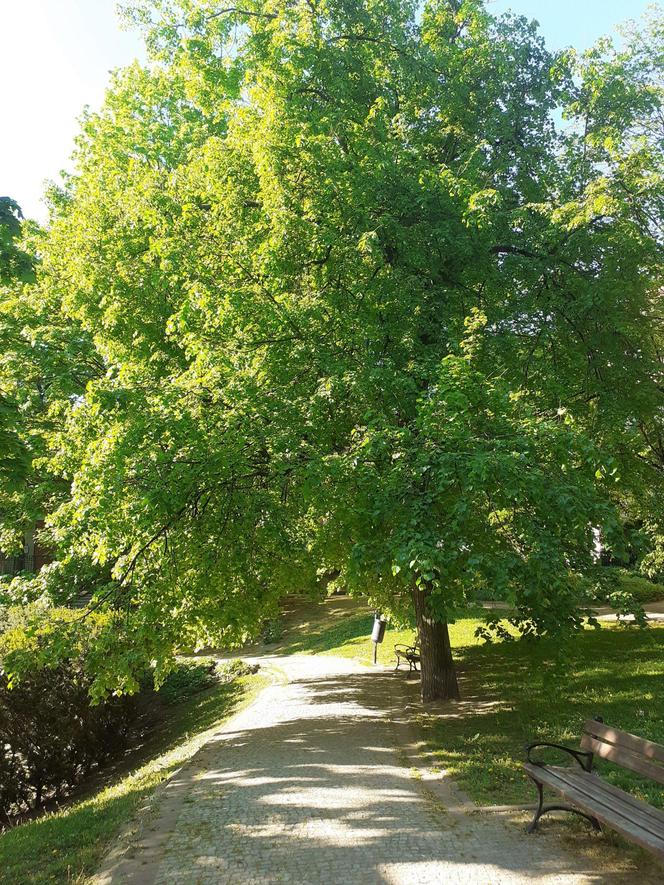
110	870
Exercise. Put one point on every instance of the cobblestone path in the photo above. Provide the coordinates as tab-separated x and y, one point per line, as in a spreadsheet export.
305	787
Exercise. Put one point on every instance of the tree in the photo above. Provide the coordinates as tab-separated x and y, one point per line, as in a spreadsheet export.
363	310
15	265
46	360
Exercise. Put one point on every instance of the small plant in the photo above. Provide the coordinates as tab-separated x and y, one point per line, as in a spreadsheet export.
188	678
272	630
229	671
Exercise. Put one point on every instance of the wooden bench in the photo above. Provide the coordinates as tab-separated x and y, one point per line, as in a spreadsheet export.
592	797
410	654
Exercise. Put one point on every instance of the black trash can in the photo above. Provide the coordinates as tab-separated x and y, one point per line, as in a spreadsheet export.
378	632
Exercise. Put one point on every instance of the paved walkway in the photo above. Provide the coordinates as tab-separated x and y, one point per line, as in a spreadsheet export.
654	612
305	786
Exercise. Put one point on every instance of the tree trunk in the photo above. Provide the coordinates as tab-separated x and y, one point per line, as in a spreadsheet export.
439	681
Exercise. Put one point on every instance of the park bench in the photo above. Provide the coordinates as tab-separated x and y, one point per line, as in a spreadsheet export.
408	653
592	797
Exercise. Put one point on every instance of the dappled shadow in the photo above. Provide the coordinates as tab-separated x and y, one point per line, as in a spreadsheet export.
306	787
342	624
515	693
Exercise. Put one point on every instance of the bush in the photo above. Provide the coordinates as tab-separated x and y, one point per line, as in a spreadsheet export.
228	671
52	737
51	734
639	587
272	630
188	678
192	676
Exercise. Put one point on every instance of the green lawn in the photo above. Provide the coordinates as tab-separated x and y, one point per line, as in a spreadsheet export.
517	692
348	635
67	845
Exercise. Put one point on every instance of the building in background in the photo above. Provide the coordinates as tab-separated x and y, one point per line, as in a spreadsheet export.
32	559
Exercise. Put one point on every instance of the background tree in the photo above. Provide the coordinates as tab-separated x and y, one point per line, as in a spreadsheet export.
362	309
15	266
45	362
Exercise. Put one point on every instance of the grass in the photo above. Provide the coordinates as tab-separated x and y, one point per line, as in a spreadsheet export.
343	628
67	845
515	693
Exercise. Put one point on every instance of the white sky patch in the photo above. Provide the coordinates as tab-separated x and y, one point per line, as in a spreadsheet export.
56	57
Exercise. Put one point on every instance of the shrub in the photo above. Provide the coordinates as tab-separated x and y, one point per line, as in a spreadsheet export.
227	671
188	678
639	587
272	630
52	737
51	734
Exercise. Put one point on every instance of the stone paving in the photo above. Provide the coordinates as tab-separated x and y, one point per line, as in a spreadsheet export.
305	786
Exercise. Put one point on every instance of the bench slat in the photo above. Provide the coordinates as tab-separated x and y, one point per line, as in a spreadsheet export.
573	786
637	745
624	757
616	800
638	805
561	779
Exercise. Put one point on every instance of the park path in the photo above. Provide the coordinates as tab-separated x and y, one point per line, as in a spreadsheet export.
306	786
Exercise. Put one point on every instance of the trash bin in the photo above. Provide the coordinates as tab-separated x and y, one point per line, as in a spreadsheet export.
378	632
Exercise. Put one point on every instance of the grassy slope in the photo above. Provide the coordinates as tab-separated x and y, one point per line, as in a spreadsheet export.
515	693
346	632
67	845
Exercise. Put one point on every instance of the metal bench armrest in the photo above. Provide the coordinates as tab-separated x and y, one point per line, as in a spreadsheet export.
584	759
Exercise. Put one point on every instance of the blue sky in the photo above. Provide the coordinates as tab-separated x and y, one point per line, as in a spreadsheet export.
56	55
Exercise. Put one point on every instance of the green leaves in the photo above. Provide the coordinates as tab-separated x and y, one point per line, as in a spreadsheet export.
333	296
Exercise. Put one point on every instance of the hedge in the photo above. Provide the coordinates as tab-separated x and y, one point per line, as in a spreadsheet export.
51	736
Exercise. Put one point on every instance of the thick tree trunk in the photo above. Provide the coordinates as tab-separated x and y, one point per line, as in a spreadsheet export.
439	681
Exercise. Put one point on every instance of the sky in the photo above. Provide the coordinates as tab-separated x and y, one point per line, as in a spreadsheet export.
56	56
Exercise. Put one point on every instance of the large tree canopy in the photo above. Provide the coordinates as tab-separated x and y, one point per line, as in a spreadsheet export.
363	308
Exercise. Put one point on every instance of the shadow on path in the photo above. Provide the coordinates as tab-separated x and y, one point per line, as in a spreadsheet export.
305	787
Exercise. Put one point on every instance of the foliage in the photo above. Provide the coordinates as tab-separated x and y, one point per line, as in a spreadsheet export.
190	677
347	302
15	264
46	360
68	844
50	734
198	674
227	671
639	587
271	630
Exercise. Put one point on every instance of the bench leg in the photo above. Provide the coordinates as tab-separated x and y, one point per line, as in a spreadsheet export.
543	809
